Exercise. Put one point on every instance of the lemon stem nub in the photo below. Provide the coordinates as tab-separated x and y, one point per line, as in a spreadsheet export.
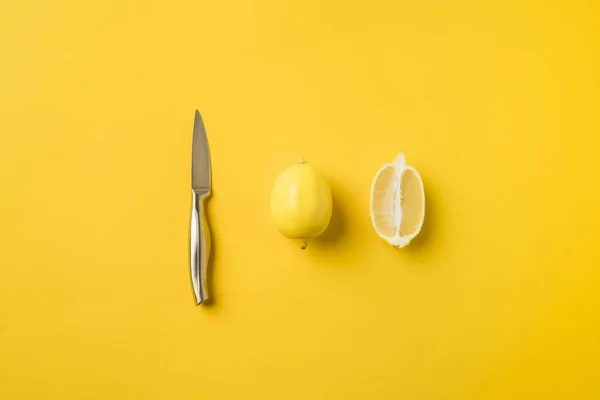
301	161
302	242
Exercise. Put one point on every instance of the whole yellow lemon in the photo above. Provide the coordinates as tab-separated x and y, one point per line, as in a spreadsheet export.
301	202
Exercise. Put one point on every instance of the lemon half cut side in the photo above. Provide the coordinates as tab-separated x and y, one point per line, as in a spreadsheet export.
397	202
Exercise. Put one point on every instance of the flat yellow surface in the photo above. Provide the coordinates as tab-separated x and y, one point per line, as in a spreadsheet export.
495	104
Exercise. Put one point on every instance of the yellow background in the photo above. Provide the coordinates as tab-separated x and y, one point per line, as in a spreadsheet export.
495	103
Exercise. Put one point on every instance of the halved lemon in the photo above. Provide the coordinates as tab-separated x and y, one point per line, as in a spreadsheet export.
397	202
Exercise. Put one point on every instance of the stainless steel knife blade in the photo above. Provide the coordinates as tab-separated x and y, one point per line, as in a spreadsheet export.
200	156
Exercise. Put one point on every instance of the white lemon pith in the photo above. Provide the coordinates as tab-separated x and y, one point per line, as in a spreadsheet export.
397	202
301	203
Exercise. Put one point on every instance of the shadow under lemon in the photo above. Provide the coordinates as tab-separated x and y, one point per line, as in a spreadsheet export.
337	233
428	243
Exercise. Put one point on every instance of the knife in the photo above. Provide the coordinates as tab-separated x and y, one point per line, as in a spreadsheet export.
199	233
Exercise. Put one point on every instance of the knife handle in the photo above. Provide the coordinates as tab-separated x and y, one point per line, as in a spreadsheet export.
199	246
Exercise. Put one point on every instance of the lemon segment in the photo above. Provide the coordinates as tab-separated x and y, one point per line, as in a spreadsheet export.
397	202
383	202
